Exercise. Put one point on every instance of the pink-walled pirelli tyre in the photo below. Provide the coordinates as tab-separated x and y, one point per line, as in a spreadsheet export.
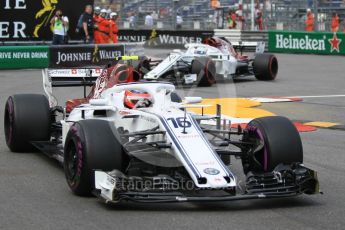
205	69
281	144
27	118
91	145
265	67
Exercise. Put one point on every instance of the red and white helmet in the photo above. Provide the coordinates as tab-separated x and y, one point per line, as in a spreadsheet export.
135	99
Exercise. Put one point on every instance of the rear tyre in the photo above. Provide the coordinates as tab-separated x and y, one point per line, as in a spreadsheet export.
27	118
91	145
282	144
205	69
265	67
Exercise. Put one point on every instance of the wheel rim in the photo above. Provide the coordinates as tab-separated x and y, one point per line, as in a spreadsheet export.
72	164
264	152
262	155
210	70
9	121
273	67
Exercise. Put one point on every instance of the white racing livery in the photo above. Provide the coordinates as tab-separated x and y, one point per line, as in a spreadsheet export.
181	132
206	63
137	141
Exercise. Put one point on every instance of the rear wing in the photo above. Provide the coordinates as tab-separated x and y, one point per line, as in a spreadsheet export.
74	77
259	47
68	78
71	77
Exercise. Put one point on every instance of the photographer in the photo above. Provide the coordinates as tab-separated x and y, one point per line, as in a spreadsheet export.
59	24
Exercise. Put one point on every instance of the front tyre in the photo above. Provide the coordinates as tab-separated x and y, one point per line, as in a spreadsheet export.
91	145
265	67
281	144
27	118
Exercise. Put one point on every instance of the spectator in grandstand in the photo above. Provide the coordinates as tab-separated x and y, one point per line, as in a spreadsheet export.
309	23
215	4
231	19
149	21
103	28
59	23
179	21
155	15
240	16
258	18
87	24
113	27
132	20
97	20
335	22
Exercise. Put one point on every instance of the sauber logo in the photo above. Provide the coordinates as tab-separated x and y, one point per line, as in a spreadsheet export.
211	171
335	42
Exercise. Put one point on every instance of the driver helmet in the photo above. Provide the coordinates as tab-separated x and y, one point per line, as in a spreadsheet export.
137	99
212	42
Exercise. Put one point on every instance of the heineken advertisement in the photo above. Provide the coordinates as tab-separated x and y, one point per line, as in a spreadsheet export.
20	57
302	42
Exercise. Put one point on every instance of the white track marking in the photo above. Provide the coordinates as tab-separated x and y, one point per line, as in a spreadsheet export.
318	96
269	100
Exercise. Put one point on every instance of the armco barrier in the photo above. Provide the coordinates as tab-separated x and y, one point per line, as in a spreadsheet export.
303	42
21	57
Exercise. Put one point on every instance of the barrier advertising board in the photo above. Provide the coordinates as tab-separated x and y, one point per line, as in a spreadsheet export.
66	56
30	19
19	57
303	42
164	38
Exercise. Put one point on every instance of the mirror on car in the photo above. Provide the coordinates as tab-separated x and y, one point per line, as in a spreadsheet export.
192	100
98	102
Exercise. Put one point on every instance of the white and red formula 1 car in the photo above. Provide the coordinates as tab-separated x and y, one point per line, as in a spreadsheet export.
136	141
204	64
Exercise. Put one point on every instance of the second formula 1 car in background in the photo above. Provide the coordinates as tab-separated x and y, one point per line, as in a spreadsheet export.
203	64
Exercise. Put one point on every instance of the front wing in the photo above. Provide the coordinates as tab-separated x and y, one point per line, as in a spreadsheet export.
284	181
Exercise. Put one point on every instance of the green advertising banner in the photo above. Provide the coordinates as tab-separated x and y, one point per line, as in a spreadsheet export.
306	42
21	57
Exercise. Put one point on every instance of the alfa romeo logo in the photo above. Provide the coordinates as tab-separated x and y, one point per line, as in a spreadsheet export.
211	171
